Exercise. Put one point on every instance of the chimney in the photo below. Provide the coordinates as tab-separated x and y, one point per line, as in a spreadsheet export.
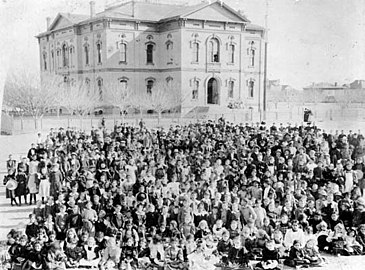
335	83
48	22
92	9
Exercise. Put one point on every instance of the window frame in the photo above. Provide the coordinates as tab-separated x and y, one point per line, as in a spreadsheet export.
150	47
214	50
99	52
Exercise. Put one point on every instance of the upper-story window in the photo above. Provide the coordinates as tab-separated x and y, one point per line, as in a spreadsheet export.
72	52
52	60
149	53
251	51
251	87
231	52
149	86
230	89
87	58
45	61
122	53
169	48
58	58
64	55
195	52
213	50
99	51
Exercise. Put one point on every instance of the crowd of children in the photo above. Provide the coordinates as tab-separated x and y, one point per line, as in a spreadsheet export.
199	196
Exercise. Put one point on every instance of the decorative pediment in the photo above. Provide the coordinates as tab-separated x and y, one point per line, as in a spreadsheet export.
60	22
216	12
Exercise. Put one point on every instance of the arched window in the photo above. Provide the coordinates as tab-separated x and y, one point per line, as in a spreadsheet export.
45	61
230	89
58	58
72	51
169	48
150	84
251	87
98	50
149	53
52	60
100	88
196	52
231	49
195	91
64	55
169	82
213	52
251	53
86	50
122	53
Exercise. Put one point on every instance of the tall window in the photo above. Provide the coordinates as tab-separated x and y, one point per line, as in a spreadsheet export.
87	84
122	53
98	49
230	89
251	86
72	50
64	55
169	48
149	54
149	86
169	81
45	61
214	50
100	88
231	53
196	52
52	60
86	49
195	90
58	58
251	53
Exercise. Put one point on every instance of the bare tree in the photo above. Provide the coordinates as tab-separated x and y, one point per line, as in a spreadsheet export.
27	94
164	97
118	95
78	98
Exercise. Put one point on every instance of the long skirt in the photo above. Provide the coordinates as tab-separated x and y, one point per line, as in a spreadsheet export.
32	184
44	188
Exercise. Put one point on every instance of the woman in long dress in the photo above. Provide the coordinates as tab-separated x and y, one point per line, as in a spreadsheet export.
44	185
33	179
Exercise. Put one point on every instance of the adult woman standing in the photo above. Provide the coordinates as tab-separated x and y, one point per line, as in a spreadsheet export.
21	190
33	179
44	184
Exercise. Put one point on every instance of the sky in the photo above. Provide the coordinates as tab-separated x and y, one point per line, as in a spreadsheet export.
309	40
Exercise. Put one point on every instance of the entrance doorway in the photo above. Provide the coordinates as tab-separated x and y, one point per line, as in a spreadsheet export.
212	92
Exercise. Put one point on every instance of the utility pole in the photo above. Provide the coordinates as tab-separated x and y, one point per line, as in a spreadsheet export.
265	61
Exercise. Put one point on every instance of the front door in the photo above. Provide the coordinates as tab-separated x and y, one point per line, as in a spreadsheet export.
212	92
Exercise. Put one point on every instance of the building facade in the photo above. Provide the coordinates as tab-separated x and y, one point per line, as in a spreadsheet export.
212	53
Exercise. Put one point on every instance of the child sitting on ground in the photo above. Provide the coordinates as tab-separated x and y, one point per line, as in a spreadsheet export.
296	256
237	255
270	256
312	254
351	245
223	247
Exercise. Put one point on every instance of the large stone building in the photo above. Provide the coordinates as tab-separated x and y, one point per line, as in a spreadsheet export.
212	52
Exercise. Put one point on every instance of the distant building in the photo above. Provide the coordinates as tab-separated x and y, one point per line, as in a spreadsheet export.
212	52
332	93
